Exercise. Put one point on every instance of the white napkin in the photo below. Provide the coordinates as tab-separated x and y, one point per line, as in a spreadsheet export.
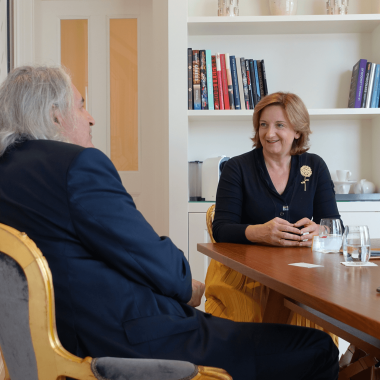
358	264
306	265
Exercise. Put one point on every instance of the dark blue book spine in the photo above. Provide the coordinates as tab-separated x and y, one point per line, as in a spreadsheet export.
235	84
264	77
257	81
253	81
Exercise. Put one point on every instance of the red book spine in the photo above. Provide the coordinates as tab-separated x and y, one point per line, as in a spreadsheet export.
215	82
224	82
220	84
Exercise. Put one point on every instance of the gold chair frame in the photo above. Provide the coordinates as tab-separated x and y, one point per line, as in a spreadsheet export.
209	219
53	361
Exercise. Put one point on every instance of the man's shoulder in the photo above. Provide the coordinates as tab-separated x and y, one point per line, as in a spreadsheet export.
59	155
52	147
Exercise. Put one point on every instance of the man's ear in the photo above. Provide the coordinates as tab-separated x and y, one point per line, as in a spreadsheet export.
57	118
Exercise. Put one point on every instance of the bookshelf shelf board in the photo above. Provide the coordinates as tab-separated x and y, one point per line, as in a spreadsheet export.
315	114
307	24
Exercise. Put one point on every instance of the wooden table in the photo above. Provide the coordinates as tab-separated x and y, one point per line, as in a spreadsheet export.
341	299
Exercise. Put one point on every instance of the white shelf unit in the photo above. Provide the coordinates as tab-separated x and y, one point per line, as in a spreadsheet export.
299	24
310	55
315	114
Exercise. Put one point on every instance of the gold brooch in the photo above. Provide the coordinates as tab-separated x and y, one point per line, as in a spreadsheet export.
306	172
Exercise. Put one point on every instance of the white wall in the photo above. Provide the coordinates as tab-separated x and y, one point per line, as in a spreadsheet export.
3	40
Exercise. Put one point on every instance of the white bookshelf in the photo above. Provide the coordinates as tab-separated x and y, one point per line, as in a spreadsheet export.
315	114
311	55
298	24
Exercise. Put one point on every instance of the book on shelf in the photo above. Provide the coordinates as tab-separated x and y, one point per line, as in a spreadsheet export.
264	77
235	84
220	81
190	79
253	82
224	82
257	80
249	84
210	87
357	84
215	82
261	79
196	81
375	88
204	96
366	81
240	83
245	83
229	82
377	99
370	86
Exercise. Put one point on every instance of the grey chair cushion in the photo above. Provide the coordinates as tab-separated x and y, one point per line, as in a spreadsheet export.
142	369
15	339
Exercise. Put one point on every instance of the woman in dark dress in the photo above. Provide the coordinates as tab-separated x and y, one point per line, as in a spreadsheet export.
275	194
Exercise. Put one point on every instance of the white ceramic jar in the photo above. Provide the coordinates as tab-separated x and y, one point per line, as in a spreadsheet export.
228	8
337	7
283	7
364	187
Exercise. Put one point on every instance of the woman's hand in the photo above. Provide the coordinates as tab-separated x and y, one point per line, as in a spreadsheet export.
275	232
310	227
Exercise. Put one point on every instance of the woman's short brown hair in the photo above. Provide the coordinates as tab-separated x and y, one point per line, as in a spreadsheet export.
296	113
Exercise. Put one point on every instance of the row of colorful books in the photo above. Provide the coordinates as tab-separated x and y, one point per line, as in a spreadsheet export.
224	82
365	85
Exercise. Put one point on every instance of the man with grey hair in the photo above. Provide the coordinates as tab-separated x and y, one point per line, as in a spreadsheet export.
120	289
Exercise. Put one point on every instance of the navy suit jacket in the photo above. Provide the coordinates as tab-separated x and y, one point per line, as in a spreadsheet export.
118	285
120	289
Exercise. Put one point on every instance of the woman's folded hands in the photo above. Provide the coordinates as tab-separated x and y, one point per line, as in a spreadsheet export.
280	232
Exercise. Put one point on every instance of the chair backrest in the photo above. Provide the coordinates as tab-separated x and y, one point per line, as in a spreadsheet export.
28	336
209	219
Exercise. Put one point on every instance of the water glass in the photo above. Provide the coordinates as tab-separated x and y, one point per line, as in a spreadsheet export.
356	244
330	235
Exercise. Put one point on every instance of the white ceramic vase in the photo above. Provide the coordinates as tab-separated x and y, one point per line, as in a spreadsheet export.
283	7
228	8
364	187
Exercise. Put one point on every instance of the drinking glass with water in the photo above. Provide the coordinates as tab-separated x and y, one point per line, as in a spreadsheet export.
356	244
330	235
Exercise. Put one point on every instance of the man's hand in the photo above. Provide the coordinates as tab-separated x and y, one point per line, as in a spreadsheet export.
198	290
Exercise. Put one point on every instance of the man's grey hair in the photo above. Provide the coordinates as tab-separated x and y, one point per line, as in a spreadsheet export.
30	99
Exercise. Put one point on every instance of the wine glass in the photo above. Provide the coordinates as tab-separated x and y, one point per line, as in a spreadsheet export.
356	244
330	234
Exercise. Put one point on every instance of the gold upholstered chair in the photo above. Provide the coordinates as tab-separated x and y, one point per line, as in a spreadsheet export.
28	336
232	295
